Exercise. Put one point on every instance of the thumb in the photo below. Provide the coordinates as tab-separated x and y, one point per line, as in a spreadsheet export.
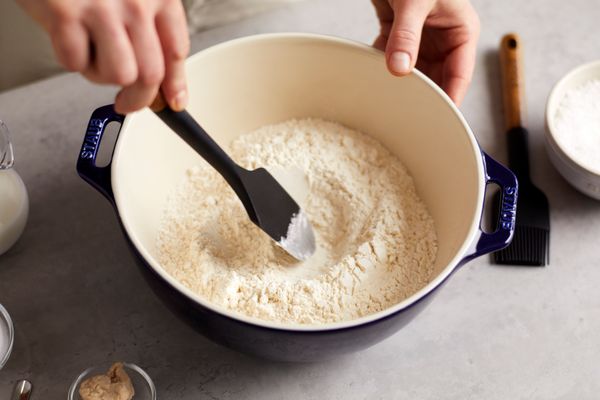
405	35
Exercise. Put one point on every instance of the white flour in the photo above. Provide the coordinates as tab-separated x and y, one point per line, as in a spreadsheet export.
578	124
376	242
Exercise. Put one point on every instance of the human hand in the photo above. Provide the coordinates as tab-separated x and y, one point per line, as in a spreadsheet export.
140	45
438	36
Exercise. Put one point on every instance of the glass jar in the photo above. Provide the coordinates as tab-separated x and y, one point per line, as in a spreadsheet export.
7	336
14	202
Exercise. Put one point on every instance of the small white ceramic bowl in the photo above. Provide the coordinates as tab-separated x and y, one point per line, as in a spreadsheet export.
7	336
582	177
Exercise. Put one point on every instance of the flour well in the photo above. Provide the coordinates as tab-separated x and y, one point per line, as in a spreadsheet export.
376	243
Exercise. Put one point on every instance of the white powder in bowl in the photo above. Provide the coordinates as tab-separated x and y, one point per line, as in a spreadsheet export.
577	123
376	242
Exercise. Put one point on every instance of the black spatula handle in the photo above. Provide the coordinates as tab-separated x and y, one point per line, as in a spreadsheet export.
186	127
194	135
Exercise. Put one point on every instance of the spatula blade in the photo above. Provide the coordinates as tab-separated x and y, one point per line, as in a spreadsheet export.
273	210
300	238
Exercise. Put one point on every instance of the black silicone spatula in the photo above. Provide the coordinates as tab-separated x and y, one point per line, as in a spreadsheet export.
267	203
531	243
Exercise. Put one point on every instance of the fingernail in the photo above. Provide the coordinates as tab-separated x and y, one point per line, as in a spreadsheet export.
400	62
180	100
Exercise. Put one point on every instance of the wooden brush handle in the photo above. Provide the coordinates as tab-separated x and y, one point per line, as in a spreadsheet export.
513	89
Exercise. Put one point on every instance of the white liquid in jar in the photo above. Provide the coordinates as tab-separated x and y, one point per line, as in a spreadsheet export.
4	340
14	207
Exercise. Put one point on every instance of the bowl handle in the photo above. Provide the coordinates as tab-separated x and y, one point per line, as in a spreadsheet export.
97	177
489	242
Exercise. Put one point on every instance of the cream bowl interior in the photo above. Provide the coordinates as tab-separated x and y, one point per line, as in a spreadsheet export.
241	85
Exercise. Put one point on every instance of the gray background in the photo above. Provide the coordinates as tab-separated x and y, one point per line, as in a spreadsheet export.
491	333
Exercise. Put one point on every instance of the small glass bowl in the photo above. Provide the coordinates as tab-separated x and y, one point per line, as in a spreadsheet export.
7	330
142	384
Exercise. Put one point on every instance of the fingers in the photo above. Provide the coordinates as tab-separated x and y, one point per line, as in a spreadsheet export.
460	64
136	44
111	59
405	35
381	41
71	45
150	66
172	31
145	49
383	10
457	73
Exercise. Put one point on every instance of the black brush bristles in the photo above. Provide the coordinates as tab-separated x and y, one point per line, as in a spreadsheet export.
531	243
530	247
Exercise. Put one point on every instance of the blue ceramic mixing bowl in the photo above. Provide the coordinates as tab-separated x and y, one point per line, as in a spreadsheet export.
241	85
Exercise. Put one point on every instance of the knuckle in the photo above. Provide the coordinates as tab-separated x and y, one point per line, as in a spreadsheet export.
61	12
471	20
181	50
463	36
99	10
151	76
103	24
123	76
103	17
404	35
464	79
68	53
72	60
137	9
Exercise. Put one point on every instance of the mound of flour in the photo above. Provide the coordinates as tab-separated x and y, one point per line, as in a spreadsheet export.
376	241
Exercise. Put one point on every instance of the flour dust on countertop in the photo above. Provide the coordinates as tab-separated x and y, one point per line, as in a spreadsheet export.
376	242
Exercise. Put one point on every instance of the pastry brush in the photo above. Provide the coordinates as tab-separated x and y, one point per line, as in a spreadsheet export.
531	242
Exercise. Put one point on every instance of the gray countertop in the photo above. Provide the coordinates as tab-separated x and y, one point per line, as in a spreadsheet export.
493	332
